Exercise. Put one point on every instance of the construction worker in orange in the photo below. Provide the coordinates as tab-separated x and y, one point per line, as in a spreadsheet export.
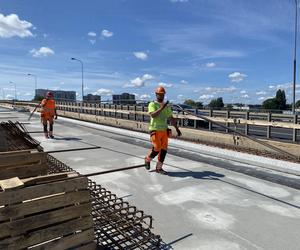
48	113
160	112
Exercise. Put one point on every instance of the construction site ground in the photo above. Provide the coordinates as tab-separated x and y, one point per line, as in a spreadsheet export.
210	199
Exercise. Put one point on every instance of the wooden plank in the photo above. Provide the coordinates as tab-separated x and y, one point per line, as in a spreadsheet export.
22	159
24	171
46	203
48	233
66	242
36	191
16	182
20	226
15	152
11	183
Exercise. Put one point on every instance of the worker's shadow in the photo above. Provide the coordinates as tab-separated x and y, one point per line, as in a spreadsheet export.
197	175
67	139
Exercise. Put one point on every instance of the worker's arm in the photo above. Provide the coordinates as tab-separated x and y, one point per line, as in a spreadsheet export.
174	124
43	103
158	111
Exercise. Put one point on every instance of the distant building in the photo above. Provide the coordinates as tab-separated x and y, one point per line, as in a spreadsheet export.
59	95
92	98
124	98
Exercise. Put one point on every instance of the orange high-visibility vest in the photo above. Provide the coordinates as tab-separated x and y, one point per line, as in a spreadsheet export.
48	107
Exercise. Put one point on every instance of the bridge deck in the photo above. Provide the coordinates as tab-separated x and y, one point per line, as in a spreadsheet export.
205	201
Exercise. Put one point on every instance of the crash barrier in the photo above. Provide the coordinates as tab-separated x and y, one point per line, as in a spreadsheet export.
271	125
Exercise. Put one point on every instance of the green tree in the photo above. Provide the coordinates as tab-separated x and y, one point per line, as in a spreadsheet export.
270	103
297	104
281	99
199	105
216	103
189	102
278	102
194	104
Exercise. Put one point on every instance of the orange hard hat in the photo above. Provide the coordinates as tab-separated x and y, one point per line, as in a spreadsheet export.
160	90
49	94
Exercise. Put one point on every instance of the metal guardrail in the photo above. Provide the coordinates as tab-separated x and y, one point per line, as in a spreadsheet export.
264	124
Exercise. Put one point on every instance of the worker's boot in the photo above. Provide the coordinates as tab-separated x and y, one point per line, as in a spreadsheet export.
51	134
147	162
159	168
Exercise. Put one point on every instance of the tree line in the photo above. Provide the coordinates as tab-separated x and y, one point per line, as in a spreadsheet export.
276	103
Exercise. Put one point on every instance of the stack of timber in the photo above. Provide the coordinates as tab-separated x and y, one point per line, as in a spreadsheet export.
42	211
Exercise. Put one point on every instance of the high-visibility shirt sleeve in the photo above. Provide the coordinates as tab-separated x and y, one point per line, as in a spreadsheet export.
151	107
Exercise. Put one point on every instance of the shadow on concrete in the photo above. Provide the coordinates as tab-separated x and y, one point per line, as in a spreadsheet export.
197	175
67	139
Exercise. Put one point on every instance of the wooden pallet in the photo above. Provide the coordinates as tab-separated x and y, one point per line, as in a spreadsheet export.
22	164
46	212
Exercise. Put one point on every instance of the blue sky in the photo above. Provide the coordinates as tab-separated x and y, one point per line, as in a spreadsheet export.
198	49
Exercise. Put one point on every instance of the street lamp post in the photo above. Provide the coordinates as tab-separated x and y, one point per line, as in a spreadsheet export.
82	93
35	82
295	55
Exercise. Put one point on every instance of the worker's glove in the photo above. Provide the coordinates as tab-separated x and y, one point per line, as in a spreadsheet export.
178	132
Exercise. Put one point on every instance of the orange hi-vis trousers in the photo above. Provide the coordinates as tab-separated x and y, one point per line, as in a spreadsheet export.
159	140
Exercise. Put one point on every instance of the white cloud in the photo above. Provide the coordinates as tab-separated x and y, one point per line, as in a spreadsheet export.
245	96
283	86
237	77
92	41
261	93
215	90
166	85
9	96
107	33
11	26
210	65
139	81
103	92
42	52
28	94
243	91
206	97
144	97
184	82
141	55
264	98
92	34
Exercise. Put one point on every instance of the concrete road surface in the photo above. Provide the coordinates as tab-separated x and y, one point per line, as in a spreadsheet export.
205	202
